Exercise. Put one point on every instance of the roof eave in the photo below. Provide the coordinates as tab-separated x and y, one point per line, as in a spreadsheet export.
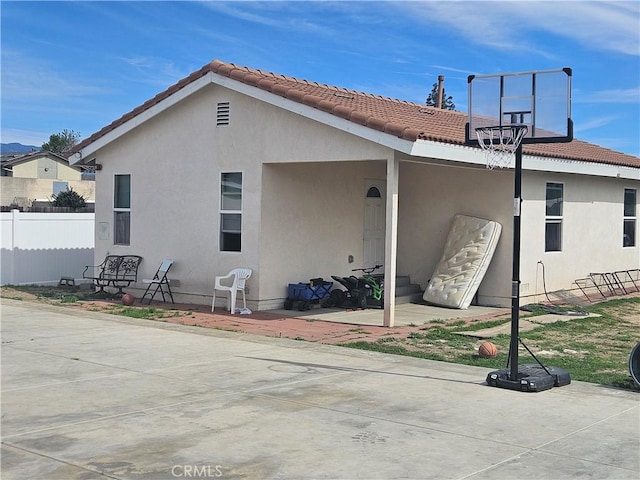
580	167
85	153
463	154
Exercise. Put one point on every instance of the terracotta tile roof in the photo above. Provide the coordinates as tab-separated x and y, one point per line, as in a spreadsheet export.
407	120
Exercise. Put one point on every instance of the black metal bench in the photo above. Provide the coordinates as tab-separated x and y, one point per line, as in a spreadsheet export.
118	271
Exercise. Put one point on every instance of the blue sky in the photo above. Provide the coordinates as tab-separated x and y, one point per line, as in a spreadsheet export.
80	65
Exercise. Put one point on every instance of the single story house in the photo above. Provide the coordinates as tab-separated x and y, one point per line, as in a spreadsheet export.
35	176
233	166
42	164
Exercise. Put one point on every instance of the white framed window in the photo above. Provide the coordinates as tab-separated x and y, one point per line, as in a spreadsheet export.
231	212
122	209
629	220
553	217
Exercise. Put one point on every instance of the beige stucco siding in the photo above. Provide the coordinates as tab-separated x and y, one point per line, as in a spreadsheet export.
174	194
591	230
429	198
175	160
43	167
592	226
312	222
25	170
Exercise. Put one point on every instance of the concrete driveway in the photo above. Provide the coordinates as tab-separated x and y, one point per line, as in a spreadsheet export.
90	395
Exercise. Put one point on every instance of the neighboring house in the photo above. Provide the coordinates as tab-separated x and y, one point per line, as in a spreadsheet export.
38	175
43	164
237	167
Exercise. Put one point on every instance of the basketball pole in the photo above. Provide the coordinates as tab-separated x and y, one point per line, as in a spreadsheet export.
515	278
522	110
528	378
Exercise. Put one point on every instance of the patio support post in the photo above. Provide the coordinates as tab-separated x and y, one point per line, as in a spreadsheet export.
391	242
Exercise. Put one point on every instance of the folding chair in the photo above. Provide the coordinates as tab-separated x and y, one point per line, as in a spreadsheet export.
239	276
158	280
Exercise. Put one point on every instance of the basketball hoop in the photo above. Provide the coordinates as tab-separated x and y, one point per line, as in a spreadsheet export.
499	143
505	111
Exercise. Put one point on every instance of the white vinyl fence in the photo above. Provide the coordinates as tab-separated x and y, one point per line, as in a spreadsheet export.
39	248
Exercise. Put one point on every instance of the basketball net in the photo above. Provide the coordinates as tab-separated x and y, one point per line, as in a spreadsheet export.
499	143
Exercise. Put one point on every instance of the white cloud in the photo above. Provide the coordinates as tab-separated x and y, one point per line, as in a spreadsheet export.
25	137
597	122
153	71
452	69
139	62
509	25
242	13
617	143
280	15
623	95
28	78
612	26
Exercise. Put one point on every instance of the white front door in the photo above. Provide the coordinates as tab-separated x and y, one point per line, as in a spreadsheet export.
374	223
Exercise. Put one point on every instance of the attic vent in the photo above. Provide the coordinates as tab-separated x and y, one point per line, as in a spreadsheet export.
222	119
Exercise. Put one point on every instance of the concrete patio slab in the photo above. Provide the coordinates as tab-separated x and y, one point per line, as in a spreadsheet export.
89	395
405	314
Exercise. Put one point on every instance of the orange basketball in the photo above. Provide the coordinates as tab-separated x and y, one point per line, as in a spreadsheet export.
487	350
128	299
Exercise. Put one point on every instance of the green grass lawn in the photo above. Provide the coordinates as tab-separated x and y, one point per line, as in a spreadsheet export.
595	349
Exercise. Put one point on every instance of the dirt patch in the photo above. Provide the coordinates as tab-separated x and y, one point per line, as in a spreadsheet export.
628	314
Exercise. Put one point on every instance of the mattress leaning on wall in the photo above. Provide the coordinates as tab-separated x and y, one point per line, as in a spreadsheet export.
467	255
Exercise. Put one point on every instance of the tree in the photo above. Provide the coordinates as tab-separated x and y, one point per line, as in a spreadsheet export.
69	198
61	142
447	102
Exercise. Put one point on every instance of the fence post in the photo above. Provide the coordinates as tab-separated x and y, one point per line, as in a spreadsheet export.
15	220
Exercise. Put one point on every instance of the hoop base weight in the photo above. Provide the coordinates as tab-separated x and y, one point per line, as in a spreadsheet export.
530	378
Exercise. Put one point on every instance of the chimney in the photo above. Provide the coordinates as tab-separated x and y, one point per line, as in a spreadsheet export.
440	90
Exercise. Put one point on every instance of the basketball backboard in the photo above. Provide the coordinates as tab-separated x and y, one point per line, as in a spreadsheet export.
539	100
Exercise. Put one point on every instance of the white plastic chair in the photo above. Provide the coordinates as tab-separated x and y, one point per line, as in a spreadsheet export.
239	276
